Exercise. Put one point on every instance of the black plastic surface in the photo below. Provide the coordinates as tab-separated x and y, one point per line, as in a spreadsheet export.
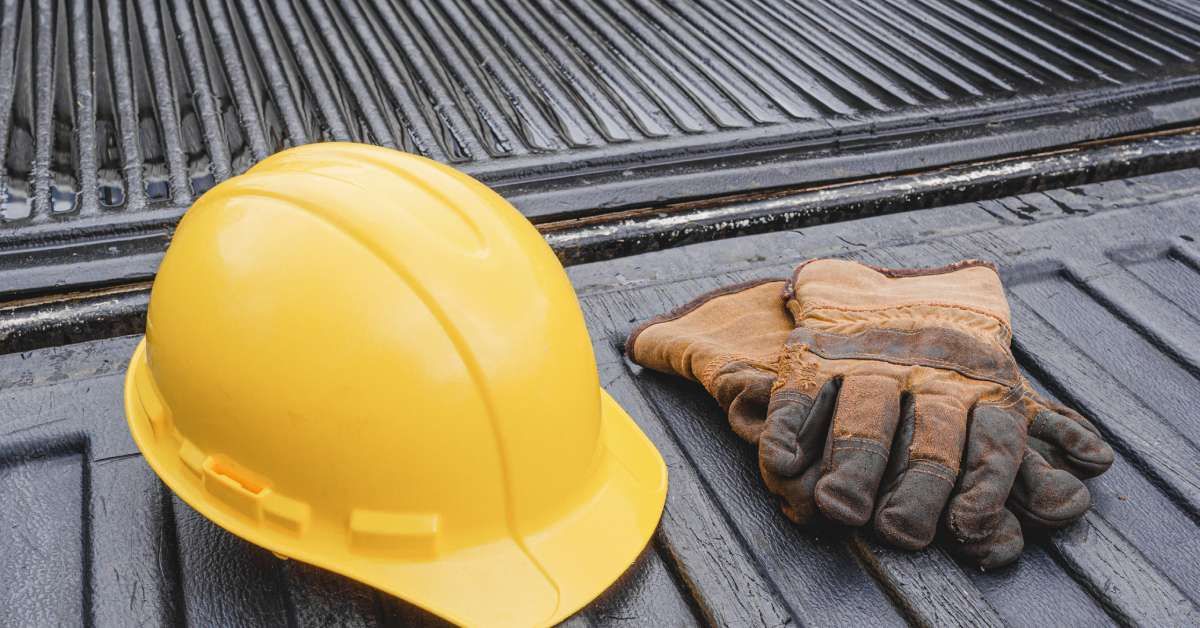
1104	281
114	115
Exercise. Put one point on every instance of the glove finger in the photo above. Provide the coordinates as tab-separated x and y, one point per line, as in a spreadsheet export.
856	452
795	431
1074	416
796	493
998	549
898	458
1083	451
1055	457
908	515
1046	496
790	447
744	392
995	446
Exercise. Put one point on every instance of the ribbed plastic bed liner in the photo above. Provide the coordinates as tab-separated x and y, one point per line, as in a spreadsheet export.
115	114
1104	282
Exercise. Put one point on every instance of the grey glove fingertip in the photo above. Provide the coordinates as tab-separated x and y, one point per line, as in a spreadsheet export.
891	523
1001	548
1046	496
991	462
1081	445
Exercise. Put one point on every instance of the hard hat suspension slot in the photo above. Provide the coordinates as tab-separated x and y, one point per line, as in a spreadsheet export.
230	470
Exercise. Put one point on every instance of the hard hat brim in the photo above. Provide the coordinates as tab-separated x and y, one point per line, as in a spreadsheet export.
535	579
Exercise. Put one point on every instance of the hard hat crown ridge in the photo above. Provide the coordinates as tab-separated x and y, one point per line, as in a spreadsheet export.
368	361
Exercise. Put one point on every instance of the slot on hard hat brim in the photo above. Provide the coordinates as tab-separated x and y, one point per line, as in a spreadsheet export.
540	579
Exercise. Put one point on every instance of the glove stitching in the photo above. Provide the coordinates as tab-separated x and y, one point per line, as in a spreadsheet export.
852	448
708	374
858	443
859	439
973	373
1013	396
803	311
892	273
931	474
791	395
949	366
793	368
932	467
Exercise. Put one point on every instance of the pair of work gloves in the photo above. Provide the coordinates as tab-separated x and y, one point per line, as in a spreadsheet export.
886	396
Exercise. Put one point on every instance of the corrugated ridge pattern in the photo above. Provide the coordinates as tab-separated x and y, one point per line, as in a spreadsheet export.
124	105
1111	328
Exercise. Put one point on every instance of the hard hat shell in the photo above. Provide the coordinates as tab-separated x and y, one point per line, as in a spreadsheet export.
368	361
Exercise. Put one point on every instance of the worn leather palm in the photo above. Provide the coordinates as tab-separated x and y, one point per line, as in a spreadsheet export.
732	340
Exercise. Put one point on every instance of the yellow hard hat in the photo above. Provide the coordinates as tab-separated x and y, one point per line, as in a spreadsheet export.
370	362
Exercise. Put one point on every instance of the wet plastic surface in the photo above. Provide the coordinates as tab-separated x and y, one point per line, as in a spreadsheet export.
1104	282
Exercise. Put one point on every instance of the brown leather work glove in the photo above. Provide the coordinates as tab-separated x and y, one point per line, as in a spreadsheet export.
730	341
909	373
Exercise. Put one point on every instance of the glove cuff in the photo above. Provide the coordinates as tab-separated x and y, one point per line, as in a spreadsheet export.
845	297
697	339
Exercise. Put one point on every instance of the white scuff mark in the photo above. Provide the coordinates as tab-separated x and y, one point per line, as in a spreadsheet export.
739	216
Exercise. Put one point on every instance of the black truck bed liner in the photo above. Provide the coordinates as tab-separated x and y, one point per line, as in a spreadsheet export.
115	115
1104	280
